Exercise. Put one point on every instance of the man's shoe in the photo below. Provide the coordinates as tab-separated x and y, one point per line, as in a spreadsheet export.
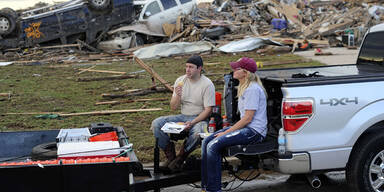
170	154
176	164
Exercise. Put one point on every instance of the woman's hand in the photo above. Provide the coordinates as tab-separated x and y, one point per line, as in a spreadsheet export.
217	135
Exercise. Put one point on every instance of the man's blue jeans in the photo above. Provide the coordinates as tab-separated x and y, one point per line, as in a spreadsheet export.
211	154
193	139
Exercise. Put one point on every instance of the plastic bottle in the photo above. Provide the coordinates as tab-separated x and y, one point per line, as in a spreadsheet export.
281	140
212	125
225	122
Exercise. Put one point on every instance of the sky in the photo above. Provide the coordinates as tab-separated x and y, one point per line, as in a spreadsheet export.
20	4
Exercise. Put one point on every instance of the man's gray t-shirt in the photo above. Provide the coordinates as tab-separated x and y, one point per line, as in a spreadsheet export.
196	95
254	98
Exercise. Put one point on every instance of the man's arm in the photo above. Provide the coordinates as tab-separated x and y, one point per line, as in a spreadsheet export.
176	98
201	117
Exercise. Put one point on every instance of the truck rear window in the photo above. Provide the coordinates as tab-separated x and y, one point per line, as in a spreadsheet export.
372	49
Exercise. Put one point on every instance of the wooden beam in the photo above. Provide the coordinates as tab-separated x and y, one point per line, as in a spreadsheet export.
168	29
107	78
130	101
103	71
188	29
5	94
153	73
136	93
84	70
88	113
32	113
110	112
87	46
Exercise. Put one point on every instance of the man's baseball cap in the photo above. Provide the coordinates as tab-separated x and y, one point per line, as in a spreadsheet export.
245	63
195	59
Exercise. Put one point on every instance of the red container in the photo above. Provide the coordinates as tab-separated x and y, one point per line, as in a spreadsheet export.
218	99
109	136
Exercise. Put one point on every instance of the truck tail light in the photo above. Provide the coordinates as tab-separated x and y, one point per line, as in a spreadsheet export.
296	113
297	108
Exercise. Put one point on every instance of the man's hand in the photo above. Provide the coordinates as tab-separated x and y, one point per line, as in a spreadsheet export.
188	125
179	90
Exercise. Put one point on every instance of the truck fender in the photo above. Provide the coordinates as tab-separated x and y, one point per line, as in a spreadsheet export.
362	120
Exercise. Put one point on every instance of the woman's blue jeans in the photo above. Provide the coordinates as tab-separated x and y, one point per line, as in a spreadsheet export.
211	154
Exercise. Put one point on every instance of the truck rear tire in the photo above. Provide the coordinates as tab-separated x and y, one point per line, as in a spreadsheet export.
99	4
365	169
7	22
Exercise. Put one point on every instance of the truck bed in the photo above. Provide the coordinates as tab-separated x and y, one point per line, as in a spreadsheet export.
329	74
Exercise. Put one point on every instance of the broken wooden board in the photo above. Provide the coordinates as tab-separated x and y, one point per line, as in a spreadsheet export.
102	71
186	31
169	29
332	28
84	70
136	93
117	77
110	112
5	94
107	112
130	101
153	73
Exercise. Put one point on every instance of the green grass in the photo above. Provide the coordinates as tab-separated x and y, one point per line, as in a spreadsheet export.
46	89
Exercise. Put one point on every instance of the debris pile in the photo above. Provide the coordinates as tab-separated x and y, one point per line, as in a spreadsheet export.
277	26
322	20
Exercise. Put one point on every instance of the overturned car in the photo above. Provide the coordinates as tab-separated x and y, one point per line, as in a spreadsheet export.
64	23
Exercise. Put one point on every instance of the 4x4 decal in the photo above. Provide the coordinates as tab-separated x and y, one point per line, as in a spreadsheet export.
342	101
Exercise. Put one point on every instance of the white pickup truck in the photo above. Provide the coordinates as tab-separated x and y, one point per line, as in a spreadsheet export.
332	116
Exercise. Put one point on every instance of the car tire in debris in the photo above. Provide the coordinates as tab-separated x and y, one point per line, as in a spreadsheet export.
365	169
139	41
10	11
7	21
99	4
44	151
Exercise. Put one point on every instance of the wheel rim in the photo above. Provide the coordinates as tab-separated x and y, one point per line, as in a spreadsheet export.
376	172
4	24
99	2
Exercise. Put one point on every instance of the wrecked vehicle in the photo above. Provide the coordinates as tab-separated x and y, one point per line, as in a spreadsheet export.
149	24
64	23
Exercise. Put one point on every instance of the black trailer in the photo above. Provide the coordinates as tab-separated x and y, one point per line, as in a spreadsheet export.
19	173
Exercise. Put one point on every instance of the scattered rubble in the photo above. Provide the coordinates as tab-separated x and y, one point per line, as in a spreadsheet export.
339	23
213	26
